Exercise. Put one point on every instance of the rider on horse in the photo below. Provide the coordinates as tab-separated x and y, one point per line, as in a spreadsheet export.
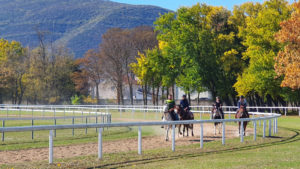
170	107
184	104
242	102
218	105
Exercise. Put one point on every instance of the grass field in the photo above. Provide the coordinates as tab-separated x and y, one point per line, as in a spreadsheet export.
280	151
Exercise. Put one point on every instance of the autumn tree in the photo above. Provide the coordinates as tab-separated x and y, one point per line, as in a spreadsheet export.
258	36
142	39
13	69
288	60
116	51
91	71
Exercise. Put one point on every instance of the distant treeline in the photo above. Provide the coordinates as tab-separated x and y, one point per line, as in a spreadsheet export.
252	51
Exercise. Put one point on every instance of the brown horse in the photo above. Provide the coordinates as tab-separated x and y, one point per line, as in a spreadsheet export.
242	113
216	114
183	115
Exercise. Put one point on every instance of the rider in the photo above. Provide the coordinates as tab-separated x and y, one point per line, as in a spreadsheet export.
218	105
170	107
184	103
242	102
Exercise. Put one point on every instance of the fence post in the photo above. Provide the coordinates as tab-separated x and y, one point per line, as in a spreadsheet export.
96	121
51	147
3	125
100	143
65	113
140	140
86	120
270	128
264	129
201	135
299	111
32	134
173	137
223	133
285	112
55	125
73	124
254	136
242	131
274	125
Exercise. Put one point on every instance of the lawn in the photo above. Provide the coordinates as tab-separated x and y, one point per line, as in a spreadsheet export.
279	151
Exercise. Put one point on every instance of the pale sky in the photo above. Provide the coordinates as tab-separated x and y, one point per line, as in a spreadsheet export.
175	4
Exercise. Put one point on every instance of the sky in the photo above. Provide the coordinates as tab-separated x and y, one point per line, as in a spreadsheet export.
175	4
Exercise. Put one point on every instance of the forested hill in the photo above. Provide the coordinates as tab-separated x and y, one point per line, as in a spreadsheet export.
78	24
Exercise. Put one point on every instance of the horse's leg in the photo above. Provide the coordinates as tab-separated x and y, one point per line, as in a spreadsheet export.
187	130
179	130
183	130
239	127
167	132
245	126
192	130
215	128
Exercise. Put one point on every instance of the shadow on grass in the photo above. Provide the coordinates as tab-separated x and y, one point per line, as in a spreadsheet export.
175	157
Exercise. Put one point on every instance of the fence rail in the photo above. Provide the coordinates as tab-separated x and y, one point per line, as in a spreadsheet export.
266	117
139	107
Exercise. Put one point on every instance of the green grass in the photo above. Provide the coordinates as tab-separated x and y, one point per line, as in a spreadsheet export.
23	140
280	151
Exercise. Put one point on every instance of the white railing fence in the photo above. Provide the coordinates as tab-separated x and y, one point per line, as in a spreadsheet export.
256	117
145	108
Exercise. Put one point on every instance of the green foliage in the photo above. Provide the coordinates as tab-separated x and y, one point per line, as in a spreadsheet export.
201	49
76	100
258	37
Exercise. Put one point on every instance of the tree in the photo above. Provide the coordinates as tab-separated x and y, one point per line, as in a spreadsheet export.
287	62
50	77
91	71
141	38
13	68
115	49
198	41
258	36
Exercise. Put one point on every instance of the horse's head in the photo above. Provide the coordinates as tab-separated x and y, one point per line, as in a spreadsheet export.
178	110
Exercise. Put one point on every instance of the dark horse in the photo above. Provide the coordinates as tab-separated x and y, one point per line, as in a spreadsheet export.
216	114
242	113
183	115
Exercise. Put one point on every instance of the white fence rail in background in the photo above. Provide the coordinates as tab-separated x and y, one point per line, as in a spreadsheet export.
261	116
140	107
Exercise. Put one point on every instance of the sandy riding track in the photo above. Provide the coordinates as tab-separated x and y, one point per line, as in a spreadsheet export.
155	142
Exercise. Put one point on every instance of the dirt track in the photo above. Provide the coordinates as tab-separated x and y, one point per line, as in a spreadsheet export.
155	142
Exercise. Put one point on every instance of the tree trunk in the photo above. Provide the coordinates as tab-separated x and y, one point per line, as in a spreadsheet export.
189	96
157	93
153	94
198	98
97	93
173	91
146	94
162	95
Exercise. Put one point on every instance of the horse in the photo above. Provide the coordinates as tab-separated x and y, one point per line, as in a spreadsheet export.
216	114
167	117
183	115
242	113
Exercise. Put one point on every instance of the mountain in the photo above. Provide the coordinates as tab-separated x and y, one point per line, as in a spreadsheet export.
77	24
